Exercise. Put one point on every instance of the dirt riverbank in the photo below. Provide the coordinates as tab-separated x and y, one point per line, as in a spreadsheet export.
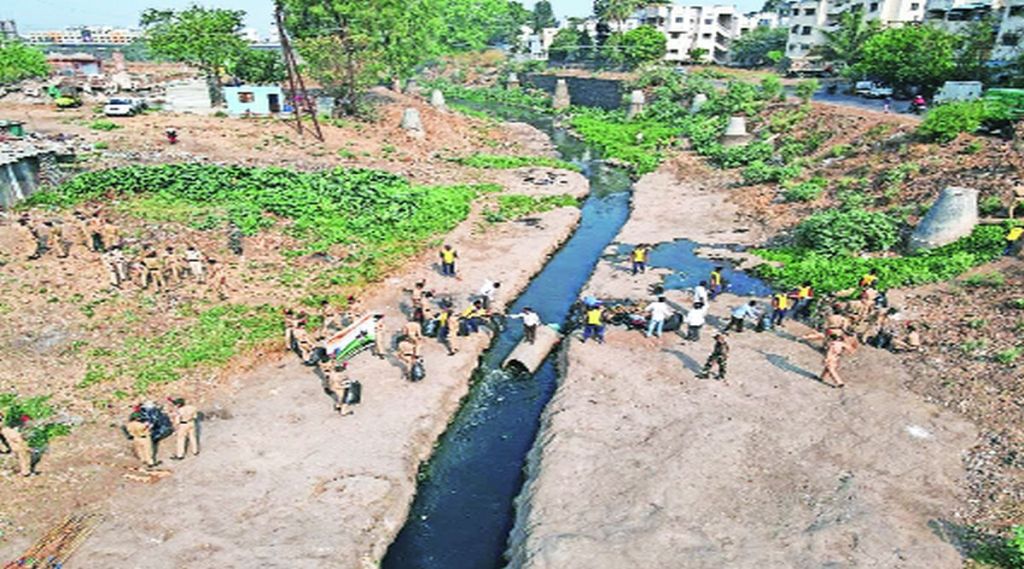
772	469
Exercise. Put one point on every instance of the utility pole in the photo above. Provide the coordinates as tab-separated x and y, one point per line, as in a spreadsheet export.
295	82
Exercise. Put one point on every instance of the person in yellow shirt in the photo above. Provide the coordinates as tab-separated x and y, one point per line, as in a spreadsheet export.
780	305
640	259
1013	239
448	256
804	294
715	283
869	280
593	323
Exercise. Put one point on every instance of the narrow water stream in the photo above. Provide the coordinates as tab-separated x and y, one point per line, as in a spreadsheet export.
463	511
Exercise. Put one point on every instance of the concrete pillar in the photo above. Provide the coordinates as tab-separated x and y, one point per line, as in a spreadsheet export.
953	216
412	88
736	132
698	102
437	100
513	81
636	104
411	123
562	99
396	85
529	356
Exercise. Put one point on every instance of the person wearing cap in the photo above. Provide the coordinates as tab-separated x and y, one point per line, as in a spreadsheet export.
379	336
10	430
338	384
185	435
141	435
719	356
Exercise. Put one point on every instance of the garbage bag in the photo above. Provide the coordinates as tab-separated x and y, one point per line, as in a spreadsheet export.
418	372
673	323
430	328
353	393
159	423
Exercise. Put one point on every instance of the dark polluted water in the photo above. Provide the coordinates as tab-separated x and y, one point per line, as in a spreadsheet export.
464	507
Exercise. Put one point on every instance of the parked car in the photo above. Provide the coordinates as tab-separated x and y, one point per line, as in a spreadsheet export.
123	107
872	90
958	91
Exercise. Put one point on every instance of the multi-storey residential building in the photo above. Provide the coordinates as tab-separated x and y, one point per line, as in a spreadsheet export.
85	35
1007	15
1010	41
8	30
708	28
810	18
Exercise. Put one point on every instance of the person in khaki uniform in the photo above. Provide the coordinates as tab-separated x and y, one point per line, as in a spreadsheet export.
10	430
836	347
94	234
413	332
142	439
196	264
380	341
111	235
336	382
407	355
174	267
185	435
57	241
112	261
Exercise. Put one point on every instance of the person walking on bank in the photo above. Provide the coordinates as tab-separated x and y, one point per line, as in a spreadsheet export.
446	323
593	323
185	434
695	319
659	311
719	356
380	343
780	305
196	264
715	283
448	256
141	435
11	431
740	314
835	347
700	293
531	321
1013	239
640	259
804	296
488	293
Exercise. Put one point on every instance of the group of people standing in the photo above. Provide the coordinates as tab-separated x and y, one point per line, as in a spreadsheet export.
148	425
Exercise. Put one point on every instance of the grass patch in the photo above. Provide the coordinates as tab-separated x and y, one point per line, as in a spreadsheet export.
516	206
507	162
989	280
104	125
37	409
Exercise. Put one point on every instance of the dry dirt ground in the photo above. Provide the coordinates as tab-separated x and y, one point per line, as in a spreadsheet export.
652	467
46	333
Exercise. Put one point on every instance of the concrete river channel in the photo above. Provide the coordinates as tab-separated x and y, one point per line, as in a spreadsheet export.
464	508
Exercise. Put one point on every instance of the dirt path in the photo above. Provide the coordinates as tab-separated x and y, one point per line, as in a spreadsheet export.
640	464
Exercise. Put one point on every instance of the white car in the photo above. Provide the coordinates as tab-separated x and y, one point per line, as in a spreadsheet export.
122	107
872	90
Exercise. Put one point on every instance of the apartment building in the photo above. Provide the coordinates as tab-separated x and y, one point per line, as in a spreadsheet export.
85	35
1008	15
809	19
710	28
8	30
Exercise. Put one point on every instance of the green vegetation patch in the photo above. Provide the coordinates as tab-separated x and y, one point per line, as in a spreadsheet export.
377	217
216	335
517	206
638	143
37	409
104	124
525	98
831	273
507	162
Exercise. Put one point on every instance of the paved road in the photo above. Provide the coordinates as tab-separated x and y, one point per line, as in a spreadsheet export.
902	107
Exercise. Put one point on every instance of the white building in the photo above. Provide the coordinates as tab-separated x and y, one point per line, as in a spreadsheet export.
809	18
536	45
1010	41
85	35
954	15
709	28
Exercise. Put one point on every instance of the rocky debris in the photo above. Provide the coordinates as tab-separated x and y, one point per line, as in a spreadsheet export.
954	215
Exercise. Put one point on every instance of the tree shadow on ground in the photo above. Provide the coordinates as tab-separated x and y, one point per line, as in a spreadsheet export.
972	543
688	362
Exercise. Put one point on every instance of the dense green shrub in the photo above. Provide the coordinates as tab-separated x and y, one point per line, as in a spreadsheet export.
37	409
831	273
736	156
806	191
618	138
526	98
104	124
739	98
945	122
835	232
990	205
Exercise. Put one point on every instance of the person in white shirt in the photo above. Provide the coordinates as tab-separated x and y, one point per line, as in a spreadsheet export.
488	292
659	311
700	293
695	319
531	320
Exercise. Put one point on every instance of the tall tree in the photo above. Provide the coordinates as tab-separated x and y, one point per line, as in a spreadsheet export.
19	61
637	47
207	38
410	36
752	48
258	66
475	24
543	16
922	56
565	46
843	46
977	39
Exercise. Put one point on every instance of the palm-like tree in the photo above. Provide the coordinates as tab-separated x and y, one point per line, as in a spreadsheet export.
843	45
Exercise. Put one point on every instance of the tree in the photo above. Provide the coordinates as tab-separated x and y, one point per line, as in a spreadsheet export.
207	38
616	11
19	61
565	46
908	56
543	16
637	46
258	66
409	35
844	45
471	25
752	48
697	54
